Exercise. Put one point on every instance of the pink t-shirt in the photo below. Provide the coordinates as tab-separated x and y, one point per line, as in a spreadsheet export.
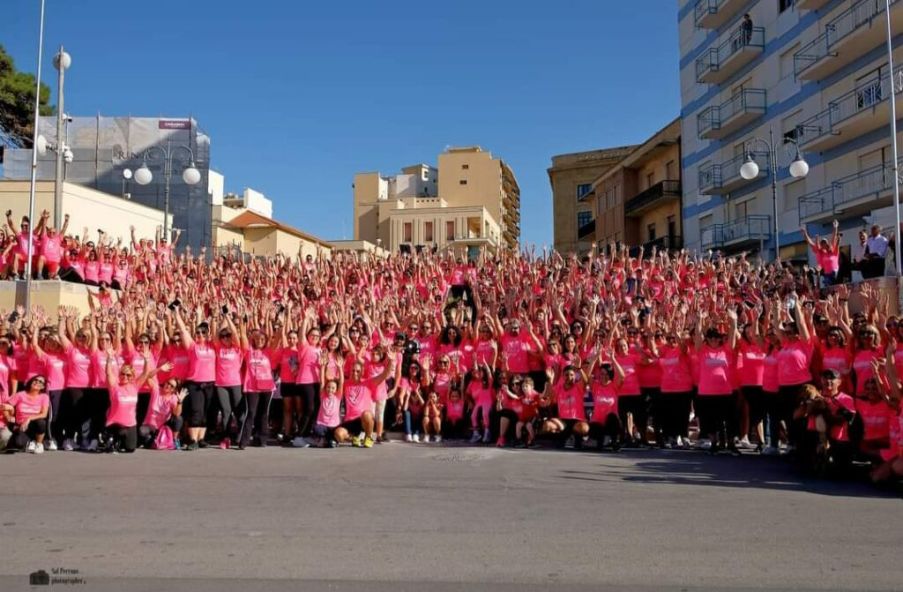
677	373
715	370
358	398
750	364
308	364
228	365
99	367
201	363
160	409
770	374
485	351
259	371
517	349
27	406
876	419
78	367
7	367
179	357
862	364
482	396
570	400
329	410
55	370
794	358
51	250
136	360
837	358
454	410
629	364
605	401
829	261
123	404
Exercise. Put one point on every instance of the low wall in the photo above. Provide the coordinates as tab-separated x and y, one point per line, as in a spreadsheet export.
48	294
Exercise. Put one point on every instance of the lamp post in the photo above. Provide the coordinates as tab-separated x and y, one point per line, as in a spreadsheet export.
34	163
190	175
799	168
61	61
893	139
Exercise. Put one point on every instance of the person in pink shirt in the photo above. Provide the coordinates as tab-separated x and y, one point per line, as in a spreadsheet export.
328	415
715	404
605	423
868	349
164	410
75	405
53	359
258	387
568	394
482	397
827	254
228	381
870	432
750	373
794	359
51	251
359	396
307	402
672	407
827	416
200	381
26	412
631	406
121	425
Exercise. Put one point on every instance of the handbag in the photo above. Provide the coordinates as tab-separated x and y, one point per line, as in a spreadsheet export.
164	439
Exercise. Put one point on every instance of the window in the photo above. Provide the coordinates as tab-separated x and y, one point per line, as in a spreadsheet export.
651	231
672	226
784	5
450	230
741	209
584	218
670	171
792	193
465	167
462	182
428	232
868	89
583	189
785	64
650	180
408	232
789	126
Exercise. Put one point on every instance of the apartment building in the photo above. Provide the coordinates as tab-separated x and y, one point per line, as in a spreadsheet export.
637	201
470	201
571	177
807	73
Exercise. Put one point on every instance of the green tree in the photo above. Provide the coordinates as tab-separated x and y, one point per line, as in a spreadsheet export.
17	100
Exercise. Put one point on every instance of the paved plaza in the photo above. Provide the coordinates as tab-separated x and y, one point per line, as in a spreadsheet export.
402	517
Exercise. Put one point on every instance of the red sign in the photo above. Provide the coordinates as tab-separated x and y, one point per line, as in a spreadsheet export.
175	124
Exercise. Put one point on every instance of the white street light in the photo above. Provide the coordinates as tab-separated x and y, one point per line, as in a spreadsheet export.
144	175
127	174
750	169
41	145
62	59
191	175
799	168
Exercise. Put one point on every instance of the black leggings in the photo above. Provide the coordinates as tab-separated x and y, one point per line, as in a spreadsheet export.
200	396
255	414
73	411
611	427
98	403
227	400
123	438
755	400
55	420
672	414
141	407
781	410
717	416
634	405
310	397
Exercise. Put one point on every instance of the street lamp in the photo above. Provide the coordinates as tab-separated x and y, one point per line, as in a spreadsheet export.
34	163
749	170
191	176
61	61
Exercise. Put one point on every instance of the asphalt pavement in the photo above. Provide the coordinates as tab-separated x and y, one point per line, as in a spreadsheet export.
439	519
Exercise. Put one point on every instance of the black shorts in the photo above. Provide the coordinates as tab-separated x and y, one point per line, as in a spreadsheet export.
289	390
354	427
545	413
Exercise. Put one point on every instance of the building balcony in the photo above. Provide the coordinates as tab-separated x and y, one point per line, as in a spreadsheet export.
810	4
663	192
587	230
736	235
847	37
711	14
665	243
863	109
719	63
718	121
851	196
718	179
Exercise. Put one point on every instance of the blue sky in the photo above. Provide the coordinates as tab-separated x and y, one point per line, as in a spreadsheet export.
299	96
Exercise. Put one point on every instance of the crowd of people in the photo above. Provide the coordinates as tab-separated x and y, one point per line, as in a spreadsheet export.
186	350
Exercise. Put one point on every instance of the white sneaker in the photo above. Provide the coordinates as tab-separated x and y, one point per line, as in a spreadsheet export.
300	442
769	451
426	439
705	444
68	445
32	447
408	438
606	441
681	443
745	444
52	446
416	438
486	437
39	448
476	437
437	439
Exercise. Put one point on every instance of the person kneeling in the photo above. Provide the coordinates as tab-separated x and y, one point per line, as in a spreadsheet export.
164	413
828	416
26	412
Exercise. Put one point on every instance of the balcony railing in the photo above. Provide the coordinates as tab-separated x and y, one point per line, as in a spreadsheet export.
736	234
587	229
810	4
665	243
845	38
718	63
717	179
840	122
711	14
849	196
718	121
659	193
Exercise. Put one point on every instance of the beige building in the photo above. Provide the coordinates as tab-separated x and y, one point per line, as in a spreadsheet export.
470	200
246	231
571	177
814	72
637	201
